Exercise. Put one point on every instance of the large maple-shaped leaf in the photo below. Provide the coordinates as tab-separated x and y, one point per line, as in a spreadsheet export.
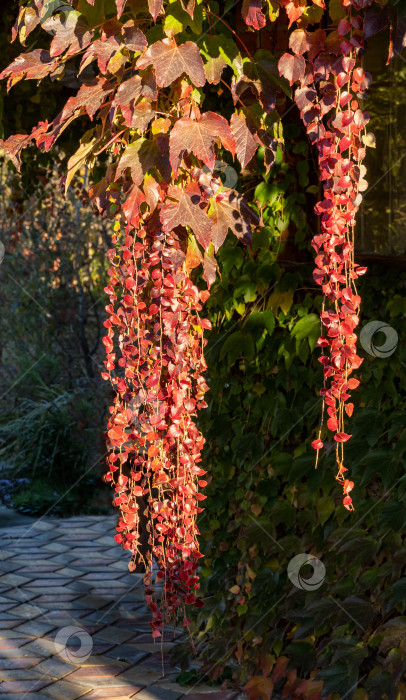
252	13
231	211
199	137
291	67
89	98
71	31
92	95
141	156
155	7
34	65
170	61
246	144
187	210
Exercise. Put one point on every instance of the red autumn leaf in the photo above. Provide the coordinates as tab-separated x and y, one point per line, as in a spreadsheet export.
300	41
231	212
34	65
252	13
291	67
209	269
141	156
246	144
71	31
199	138
170	61
155	7
134	38
353	383
120	4
348	486
129	92
131	206
187	211
92	95
332	424
294	9
341	437
188	6
317	444
349	408
103	51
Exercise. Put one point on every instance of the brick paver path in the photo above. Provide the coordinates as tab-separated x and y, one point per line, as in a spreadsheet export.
61	574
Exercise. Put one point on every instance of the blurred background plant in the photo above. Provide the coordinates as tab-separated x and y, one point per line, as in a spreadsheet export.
51	396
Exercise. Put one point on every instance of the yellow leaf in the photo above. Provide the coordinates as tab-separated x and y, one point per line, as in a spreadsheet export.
80	157
282	300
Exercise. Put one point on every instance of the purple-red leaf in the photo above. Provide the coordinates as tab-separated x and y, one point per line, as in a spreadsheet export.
252	13
198	137
187	210
155	7
120	4
170	61
134	38
71	31
34	65
141	156
291	67
246	145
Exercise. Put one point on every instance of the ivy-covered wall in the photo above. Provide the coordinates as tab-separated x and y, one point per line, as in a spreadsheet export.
266	503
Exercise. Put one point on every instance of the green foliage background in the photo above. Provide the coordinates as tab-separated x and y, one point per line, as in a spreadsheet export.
266	503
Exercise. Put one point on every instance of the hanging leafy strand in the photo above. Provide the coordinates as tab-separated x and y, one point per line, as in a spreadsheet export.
142	81
332	84
171	213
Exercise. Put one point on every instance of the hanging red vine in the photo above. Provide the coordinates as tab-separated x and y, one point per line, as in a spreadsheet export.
332	84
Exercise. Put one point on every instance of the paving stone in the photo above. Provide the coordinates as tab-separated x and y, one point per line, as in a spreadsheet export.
55	547
54	668
44	647
8	624
6	606
131	654
27	662
26	696
154	692
95	672
21	674
113	693
36	629
12	643
215	695
141	676
21	594
13	579
23	686
14	634
62	690
114	634
27	611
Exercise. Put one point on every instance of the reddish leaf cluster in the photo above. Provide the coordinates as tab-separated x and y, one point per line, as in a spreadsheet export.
332	84
170	216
